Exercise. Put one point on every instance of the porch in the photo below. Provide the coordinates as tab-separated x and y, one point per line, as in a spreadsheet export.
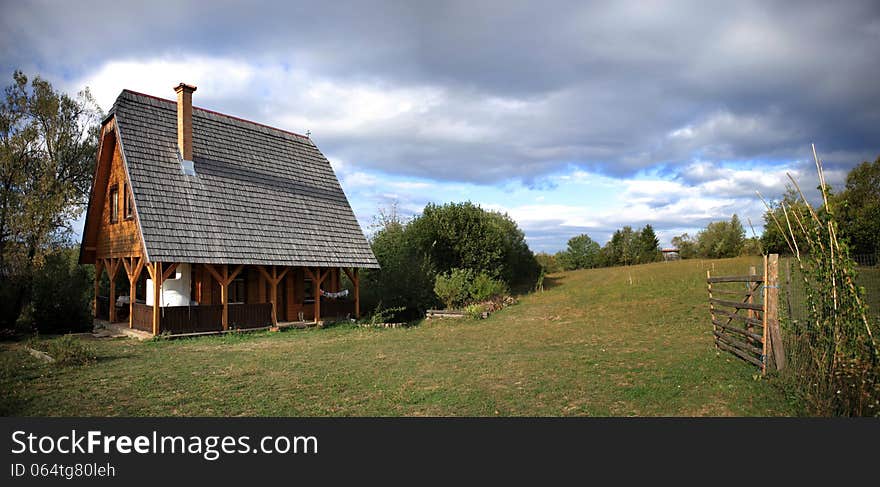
181	298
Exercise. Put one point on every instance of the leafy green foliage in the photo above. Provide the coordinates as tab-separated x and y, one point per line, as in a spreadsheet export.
582	253
549	263
686	245
484	287
62	294
453	287
48	142
406	277
443	238
859	208
463	235
776	239
721	239
839	373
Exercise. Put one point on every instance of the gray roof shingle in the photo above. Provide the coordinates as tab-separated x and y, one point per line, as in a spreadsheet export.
260	195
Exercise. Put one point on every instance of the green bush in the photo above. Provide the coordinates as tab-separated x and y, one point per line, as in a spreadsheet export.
484	288
454	287
62	294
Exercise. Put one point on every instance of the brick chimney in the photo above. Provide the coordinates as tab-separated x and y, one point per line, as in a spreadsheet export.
184	120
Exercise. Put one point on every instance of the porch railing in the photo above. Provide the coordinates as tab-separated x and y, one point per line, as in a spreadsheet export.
206	318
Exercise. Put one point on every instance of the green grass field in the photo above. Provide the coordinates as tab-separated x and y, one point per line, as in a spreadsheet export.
591	344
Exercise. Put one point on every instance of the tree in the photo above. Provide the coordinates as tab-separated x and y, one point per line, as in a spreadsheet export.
406	277
648	246
623	247
465	236
859	208
722	239
452	236
582	253
48	142
773	240
549	263
686	245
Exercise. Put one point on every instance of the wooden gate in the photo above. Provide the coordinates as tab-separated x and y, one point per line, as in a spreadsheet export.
745	318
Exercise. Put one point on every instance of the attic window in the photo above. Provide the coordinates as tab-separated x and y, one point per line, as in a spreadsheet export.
114	204
188	167
128	203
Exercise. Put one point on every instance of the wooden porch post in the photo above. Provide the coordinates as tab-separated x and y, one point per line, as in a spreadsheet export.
224	297
99	270
357	294
134	272
356	281
156	275
224	279
274	279
317	279
112	266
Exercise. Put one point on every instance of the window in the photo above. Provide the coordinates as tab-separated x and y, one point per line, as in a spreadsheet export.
128	206
237	290
114	204
308	292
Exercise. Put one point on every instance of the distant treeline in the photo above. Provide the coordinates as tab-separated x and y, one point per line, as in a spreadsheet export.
857	208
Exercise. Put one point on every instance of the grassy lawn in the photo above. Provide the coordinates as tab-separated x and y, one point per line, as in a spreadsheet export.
591	344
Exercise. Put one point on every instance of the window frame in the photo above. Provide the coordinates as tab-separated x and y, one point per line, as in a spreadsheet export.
127	202
114	204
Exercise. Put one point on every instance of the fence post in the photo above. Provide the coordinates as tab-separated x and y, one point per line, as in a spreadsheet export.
751	288
771	293
712	309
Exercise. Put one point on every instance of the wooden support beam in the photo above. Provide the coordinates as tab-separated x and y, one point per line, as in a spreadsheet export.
99	270
224	296
167	272
224	278
274	279
112	265
356	282
357	294
318	278
133	270
156	275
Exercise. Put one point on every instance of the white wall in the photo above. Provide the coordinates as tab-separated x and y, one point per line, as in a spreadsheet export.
175	290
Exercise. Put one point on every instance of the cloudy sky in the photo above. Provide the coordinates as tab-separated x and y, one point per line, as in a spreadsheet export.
573	117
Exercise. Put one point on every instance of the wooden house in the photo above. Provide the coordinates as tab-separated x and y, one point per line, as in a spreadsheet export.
216	222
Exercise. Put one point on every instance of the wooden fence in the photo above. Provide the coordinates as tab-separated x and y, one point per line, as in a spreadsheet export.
745	314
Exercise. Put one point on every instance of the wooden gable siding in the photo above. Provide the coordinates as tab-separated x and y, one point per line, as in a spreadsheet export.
120	239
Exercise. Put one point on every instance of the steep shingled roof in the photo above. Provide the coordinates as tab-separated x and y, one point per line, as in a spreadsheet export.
260	195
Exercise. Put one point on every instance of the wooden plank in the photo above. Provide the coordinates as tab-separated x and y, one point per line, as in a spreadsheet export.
771	292
737	330
713	280
734	304
739	353
737	343
734	316
727	292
